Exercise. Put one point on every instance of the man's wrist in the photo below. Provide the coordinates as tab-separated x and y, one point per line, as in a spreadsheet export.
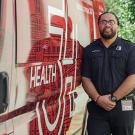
114	98
97	98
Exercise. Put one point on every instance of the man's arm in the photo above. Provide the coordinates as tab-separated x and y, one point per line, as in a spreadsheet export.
89	88
129	83
126	87
103	101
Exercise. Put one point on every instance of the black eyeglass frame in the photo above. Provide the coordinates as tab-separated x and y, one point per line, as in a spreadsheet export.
110	22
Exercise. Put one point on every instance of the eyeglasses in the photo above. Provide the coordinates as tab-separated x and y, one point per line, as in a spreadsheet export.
104	22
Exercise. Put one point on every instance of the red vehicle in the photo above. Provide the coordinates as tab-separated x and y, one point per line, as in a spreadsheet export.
41	47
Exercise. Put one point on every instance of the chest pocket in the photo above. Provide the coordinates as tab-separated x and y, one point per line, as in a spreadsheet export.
96	61
118	60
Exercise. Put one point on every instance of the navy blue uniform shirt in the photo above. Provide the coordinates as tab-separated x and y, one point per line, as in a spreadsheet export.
108	67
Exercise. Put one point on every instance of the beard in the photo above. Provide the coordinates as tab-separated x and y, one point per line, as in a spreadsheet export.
107	35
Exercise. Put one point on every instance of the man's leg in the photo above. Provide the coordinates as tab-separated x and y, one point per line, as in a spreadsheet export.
97	123
122	122
97	126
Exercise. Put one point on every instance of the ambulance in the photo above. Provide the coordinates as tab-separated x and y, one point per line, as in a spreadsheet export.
41	49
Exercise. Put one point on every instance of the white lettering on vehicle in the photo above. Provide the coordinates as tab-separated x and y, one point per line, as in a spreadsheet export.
42	74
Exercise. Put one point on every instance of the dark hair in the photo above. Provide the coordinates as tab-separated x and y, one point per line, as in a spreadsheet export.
109	13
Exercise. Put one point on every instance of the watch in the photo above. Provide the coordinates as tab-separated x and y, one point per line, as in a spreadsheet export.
114	98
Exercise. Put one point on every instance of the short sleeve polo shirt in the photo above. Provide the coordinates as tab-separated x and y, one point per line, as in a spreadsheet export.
108	67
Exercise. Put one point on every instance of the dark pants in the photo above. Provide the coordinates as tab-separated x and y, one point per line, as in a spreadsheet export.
115	122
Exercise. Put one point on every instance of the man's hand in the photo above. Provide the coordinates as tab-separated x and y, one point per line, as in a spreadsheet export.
106	103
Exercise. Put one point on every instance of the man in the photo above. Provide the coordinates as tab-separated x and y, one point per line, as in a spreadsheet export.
108	77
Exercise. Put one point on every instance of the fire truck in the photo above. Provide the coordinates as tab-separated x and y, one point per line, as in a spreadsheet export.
41	48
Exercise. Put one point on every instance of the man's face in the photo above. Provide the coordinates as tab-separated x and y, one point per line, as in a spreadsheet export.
108	26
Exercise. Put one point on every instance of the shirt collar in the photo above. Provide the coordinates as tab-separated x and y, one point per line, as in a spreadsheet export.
115	43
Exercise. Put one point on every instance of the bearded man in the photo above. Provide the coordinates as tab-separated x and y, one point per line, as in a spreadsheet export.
108	77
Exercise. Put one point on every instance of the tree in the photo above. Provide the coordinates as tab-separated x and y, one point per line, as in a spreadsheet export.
125	10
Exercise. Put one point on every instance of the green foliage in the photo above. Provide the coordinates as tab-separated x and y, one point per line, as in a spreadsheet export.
125	10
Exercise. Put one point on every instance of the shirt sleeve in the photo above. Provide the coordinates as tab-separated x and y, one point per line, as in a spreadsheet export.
131	62
86	68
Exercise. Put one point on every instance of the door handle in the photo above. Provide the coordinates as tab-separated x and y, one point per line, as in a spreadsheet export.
4	86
